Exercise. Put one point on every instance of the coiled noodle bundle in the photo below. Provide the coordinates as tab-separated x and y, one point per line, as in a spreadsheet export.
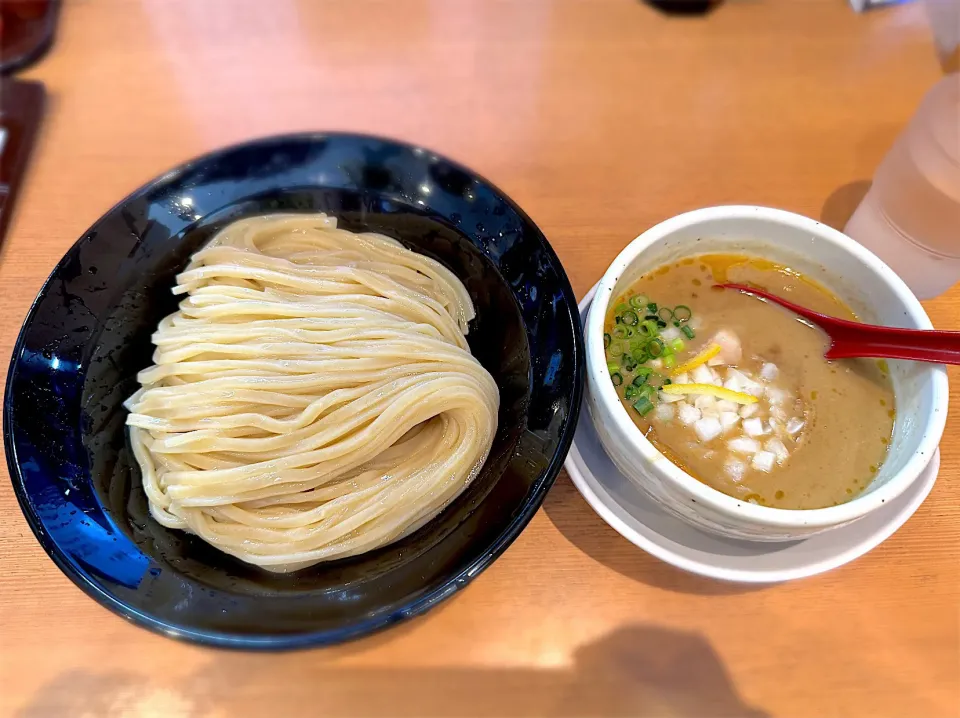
313	397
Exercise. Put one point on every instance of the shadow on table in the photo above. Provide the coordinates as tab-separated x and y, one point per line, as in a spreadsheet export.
580	524
840	205
635	671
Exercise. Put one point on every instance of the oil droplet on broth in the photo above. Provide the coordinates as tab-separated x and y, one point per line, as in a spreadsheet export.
778	495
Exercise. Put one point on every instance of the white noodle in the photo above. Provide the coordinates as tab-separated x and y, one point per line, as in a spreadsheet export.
313	397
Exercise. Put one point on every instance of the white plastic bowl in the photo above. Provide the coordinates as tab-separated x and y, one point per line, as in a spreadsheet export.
854	274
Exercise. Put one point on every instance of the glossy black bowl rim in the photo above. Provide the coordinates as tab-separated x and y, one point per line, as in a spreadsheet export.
369	625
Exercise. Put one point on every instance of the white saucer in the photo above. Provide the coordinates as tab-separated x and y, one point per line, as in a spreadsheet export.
643	523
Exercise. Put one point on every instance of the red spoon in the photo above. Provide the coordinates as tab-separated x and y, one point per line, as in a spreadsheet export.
853	339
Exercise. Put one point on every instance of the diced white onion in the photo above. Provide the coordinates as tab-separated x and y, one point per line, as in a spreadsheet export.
778	449
754	427
681	378
707	428
738	381
748	410
794	426
715	361
656	364
744	445
688	414
776	396
733	385
769	372
670	398
665	412
778	413
701	375
728	420
724	405
754	388
705	401
763	461
734	468
730	349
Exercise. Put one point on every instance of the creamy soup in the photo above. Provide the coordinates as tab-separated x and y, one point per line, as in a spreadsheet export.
735	390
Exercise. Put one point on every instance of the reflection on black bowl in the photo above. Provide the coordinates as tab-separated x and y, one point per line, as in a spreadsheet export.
88	334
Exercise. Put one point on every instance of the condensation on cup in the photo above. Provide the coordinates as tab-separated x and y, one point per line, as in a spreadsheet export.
910	217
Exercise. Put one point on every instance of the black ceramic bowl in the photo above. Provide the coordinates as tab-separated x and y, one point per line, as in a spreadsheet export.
88	334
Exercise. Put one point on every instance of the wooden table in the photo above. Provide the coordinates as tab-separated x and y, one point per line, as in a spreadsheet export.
600	118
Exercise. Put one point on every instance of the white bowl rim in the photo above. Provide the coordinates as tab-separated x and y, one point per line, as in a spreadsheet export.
932	427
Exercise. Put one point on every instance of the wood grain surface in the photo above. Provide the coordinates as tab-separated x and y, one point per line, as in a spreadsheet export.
599	118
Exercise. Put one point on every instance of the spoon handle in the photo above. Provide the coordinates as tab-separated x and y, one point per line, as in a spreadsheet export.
854	339
912	344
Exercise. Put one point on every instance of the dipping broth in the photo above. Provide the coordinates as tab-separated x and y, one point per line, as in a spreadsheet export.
735	390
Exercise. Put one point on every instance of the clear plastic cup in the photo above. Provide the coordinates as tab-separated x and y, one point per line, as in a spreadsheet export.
910	218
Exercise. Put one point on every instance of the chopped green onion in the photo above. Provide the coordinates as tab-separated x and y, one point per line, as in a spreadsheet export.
629	317
649	328
628	362
638	301
640	356
661	324
652	307
615	348
651	317
620	332
636	343
630	392
617	378
655	347
606	340
643	373
665	313
682	312
688	332
668	363
643	405
678	345
649	391
613	367
621	308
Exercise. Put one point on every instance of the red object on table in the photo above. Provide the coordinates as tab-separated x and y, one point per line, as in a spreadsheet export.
853	339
